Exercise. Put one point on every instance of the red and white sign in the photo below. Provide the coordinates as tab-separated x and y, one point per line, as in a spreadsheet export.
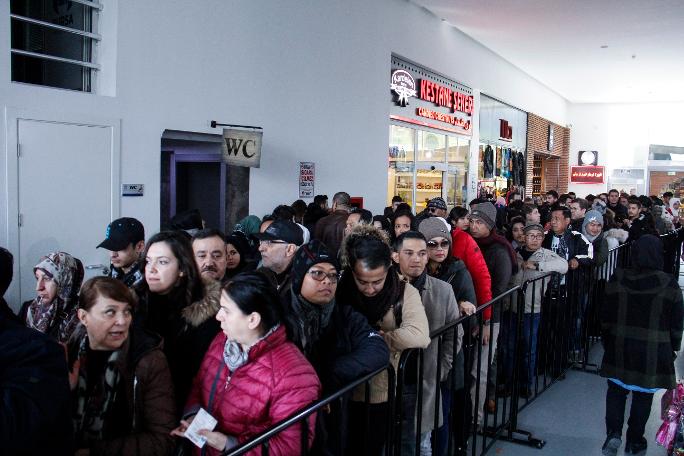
307	178
587	174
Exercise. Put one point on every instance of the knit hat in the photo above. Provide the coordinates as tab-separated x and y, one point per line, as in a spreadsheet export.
437	203
485	212
308	255
433	227
533	227
592	216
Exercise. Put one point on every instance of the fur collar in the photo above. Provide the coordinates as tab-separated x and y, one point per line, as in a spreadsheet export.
619	234
200	311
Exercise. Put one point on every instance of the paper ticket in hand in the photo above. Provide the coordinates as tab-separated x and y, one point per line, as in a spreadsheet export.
201	421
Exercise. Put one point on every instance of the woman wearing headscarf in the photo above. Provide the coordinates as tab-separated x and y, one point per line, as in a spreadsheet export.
53	311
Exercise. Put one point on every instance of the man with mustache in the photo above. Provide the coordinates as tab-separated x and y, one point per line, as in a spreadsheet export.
209	247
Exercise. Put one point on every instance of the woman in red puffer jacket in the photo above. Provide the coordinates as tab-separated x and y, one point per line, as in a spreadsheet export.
251	377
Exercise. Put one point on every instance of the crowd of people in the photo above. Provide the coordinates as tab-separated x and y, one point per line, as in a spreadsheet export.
257	324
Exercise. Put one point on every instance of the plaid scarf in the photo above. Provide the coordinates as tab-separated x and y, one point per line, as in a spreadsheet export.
130	278
91	410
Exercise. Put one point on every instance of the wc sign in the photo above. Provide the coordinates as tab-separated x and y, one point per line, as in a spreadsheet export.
241	147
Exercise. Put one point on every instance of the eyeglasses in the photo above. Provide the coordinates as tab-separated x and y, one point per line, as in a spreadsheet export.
535	236
435	244
432	209
268	242
320	276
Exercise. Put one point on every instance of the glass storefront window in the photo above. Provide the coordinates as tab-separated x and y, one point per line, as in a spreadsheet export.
424	165
401	166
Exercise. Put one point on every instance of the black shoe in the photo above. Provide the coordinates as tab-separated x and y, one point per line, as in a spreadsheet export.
638	447
611	445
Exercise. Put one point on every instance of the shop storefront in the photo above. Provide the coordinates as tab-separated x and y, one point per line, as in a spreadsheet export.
429	136
502	150
548	152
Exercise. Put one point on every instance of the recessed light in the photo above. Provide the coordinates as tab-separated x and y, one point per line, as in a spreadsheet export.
633	56
604	46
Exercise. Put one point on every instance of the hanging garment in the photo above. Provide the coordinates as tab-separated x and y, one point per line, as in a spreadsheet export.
488	161
522	168
499	158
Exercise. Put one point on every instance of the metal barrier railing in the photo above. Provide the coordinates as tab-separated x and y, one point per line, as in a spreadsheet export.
544	327
301	417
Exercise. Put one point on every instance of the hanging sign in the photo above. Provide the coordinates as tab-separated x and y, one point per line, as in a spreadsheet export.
587	174
307	177
241	147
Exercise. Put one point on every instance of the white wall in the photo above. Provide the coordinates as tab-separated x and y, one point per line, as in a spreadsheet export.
313	73
621	133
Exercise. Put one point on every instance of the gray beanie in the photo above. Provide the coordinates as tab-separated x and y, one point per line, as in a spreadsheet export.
591	216
433	227
485	212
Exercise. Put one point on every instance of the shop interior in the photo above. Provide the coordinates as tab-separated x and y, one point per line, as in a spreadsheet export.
425	164
500	168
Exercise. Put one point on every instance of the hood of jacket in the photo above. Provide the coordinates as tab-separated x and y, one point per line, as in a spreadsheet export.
200	311
647	253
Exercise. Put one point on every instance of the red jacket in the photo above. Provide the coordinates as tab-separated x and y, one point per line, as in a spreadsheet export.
465	248
276	382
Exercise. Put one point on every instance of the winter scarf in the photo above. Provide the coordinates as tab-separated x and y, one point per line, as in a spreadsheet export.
235	356
67	272
312	319
375	307
91	410
495	238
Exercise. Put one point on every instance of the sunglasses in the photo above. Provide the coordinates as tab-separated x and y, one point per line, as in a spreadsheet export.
435	244
320	276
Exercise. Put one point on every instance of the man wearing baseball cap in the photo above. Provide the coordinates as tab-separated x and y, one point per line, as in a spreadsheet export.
278	245
125	240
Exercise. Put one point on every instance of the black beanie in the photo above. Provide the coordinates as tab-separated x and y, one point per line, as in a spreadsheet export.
308	255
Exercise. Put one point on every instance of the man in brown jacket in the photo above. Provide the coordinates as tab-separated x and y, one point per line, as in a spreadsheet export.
330	229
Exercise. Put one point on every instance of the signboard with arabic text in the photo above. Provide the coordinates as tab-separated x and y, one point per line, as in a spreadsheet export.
587	174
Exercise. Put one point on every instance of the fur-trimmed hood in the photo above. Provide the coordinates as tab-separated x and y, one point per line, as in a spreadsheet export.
360	230
619	234
200	311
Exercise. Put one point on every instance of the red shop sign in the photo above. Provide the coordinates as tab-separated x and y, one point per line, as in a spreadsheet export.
587	174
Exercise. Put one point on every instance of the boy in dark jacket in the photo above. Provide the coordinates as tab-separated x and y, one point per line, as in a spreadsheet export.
642	320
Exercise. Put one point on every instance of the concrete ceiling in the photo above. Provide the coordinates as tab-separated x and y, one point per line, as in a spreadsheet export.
559	43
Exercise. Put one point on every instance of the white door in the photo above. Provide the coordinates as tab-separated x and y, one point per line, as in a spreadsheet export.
65	194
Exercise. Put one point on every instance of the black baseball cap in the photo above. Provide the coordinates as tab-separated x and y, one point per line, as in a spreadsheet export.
282	230
123	232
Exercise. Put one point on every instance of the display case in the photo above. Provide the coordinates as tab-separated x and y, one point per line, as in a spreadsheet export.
424	165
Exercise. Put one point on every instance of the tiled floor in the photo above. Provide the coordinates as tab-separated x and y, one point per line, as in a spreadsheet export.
570	416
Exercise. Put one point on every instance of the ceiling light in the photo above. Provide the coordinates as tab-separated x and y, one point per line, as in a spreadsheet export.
604	46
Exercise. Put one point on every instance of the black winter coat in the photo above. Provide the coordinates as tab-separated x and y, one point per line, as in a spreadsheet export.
35	415
347	350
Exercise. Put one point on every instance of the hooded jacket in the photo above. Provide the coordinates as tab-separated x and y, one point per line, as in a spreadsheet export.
463	246
143	413
642	318
275	382
187	332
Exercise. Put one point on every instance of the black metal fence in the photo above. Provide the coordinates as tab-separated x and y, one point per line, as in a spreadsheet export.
537	332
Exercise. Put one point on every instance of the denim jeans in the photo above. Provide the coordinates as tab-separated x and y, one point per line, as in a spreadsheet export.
528	349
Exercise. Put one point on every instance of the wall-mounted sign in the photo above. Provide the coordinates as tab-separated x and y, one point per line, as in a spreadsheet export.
505	130
587	158
242	147
437	101
307	178
403	85
132	189
587	174
550	143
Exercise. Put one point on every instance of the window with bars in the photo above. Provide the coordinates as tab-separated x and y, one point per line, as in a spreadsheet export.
54	43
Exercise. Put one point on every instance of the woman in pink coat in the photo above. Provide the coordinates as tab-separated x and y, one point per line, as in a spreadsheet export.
251	377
